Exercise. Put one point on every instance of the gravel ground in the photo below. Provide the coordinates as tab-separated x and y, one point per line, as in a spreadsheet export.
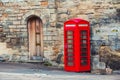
13	71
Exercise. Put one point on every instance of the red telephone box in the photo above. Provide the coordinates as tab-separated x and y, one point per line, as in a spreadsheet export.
77	45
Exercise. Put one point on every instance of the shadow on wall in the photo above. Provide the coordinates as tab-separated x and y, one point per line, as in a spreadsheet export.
110	57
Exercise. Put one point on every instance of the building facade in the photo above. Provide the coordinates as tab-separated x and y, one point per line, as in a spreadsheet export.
30	29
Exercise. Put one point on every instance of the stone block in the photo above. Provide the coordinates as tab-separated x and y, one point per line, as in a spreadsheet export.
63	17
109	71
102	65
52	11
52	24
12	18
45	38
51	5
1	4
4	15
20	14
44	3
19	18
52	17
12	30
16	22
95	62
59	24
1	29
10	10
21	26
12	26
23	30
83	17
49	38
62	10
62	20
13	41
9	45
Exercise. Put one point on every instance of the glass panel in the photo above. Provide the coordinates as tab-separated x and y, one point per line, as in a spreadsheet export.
84	45
84	49
70	63
83	54
84	58
70	58
84	41
70	46
70	50
83	62
84	32
69	32
70	37
70	41
84	37
70	54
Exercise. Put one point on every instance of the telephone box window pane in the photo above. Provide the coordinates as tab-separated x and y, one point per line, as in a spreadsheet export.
84	41
70	37
84	37
83	54
70	41
84	32
83	45
70	46
70	63
70	58
83	62
84	49
69	32
70	50
70	54
84	58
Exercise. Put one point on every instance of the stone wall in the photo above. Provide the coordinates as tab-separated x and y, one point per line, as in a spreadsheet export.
103	16
13	23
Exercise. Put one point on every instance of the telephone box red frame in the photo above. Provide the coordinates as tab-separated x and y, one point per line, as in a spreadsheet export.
77	45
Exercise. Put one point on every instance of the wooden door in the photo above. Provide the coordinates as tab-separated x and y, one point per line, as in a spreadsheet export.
35	37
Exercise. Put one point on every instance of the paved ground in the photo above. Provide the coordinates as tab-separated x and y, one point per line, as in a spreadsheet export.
11	71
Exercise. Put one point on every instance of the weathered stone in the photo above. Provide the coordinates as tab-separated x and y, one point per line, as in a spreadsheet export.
1	4
23	30
62	10
19	18
52	17
12	18
52	24
52	11
108	71
103	16
44	3
1	29
12	26
16	22
59	24
95	62
21	26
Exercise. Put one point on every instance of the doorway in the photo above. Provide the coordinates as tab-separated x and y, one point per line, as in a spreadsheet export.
34	25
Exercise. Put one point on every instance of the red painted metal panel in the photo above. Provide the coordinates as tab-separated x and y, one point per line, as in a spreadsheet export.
77	45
